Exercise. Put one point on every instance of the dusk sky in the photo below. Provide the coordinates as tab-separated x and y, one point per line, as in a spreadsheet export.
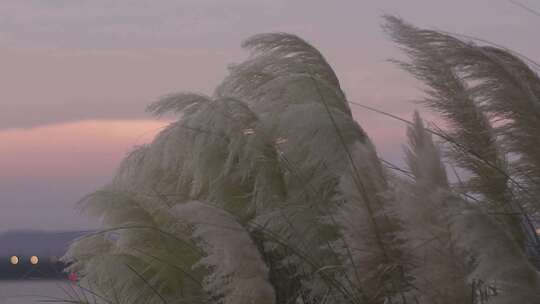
75	77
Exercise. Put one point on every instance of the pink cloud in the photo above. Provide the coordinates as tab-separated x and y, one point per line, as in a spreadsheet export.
71	150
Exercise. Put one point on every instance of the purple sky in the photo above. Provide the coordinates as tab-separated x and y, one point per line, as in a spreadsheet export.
76	75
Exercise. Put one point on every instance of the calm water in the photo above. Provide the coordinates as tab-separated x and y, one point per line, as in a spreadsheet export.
30	292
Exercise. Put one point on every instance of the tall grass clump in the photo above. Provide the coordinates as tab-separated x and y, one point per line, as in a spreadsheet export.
269	191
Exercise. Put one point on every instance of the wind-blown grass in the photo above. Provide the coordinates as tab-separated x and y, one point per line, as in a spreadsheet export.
269	191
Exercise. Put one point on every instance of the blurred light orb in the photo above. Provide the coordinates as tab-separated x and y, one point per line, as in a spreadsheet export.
14	260
73	277
34	260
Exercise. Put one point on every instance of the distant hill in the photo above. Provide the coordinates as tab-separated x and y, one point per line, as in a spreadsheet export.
47	246
39	243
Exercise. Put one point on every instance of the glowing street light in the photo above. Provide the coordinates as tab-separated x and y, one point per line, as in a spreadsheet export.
14	260
34	260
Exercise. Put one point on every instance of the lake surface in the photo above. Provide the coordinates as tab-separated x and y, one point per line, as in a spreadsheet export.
33	291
